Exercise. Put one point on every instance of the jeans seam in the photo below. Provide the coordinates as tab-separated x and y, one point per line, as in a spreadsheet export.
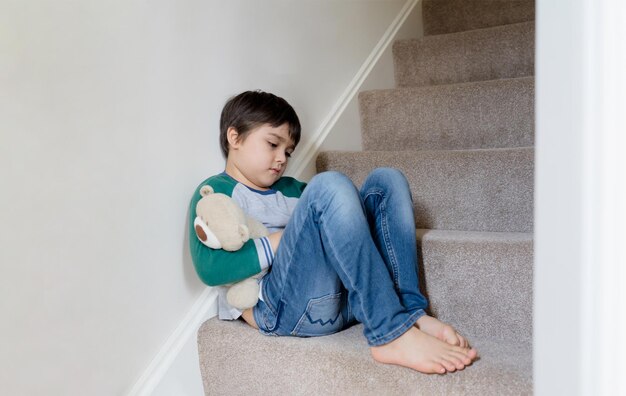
281	303
260	317
388	247
266	300
284	281
354	290
390	251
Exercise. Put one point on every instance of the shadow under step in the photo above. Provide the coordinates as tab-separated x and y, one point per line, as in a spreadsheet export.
449	16
470	190
236	359
476	55
485	114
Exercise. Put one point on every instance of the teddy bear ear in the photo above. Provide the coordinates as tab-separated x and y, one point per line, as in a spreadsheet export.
244	232
206	190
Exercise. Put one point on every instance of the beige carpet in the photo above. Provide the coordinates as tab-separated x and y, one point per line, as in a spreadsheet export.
466	56
237	360
485	114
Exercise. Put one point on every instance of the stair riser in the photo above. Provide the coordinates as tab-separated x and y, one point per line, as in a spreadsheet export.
479	190
490	114
449	16
482	287
479	55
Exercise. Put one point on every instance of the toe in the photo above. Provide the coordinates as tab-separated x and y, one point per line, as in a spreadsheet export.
457	361
460	360
450	336
449	365
434	368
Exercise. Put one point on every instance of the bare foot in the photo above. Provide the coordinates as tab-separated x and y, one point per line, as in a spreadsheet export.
424	353
441	331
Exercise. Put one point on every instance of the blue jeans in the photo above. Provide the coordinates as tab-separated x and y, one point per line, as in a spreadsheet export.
346	256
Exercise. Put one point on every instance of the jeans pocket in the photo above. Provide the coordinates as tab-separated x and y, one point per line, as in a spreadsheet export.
322	317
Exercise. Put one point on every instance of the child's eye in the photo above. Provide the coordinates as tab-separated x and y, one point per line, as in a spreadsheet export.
288	155
273	145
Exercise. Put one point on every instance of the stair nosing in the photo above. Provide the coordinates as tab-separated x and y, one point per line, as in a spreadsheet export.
408	88
344	152
478	236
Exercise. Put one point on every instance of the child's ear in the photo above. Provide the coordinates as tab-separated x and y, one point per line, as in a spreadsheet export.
233	137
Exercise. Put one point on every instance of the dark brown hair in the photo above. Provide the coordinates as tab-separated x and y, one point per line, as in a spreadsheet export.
251	109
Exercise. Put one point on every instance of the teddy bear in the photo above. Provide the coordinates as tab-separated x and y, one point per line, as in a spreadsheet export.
221	224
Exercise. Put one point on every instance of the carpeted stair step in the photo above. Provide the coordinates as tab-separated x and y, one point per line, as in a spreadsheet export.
479	190
236	359
480	281
474	280
476	55
449	16
485	114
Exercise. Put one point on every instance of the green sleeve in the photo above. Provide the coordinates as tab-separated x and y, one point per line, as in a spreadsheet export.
216	266
289	186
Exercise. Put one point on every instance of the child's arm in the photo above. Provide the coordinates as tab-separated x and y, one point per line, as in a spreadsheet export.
274	239
218	267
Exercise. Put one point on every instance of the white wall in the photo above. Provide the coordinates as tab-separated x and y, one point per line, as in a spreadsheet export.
342	131
108	121
580	254
346	134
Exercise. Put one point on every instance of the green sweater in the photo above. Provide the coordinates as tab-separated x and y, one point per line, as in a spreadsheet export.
272	208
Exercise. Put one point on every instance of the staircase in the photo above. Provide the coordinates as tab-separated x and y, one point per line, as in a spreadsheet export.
459	125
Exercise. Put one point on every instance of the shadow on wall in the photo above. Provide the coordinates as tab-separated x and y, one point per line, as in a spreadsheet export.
189	272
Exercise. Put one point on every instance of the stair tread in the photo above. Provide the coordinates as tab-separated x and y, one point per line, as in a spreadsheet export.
476	55
480	189
483	114
447	16
341	364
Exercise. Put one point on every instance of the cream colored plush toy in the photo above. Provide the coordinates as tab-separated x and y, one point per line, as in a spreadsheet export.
221	224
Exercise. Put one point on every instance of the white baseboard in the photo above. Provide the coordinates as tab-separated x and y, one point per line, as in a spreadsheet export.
311	149
204	308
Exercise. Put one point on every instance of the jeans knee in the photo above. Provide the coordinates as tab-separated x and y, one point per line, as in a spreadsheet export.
336	190
390	177
331	180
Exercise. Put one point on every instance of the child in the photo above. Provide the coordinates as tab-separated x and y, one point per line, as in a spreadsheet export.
335	255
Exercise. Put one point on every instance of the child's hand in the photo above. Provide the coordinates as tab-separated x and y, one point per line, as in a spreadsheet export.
274	239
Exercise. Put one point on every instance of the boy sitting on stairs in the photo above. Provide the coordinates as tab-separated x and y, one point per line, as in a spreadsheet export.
336	255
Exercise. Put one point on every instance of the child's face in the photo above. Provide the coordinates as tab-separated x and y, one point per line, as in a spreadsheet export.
260	159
